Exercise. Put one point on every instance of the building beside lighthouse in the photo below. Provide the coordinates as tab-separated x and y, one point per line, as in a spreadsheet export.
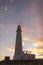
19	54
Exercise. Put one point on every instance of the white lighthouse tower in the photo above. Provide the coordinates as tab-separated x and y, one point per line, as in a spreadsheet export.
18	45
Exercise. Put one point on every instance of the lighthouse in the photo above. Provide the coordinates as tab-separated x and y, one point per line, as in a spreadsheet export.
19	54
18	44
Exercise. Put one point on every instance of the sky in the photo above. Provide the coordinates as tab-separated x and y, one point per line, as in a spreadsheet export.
27	13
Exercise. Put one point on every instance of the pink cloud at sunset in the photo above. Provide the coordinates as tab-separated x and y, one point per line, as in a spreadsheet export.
36	22
38	52
32	10
11	49
38	43
27	38
2	25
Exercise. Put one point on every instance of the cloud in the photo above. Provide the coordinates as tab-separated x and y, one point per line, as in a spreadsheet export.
11	49
38	43
2	25
39	48
31	10
36	23
27	38
2	32
41	54
1	57
5	8
38	52
11	0
6	5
